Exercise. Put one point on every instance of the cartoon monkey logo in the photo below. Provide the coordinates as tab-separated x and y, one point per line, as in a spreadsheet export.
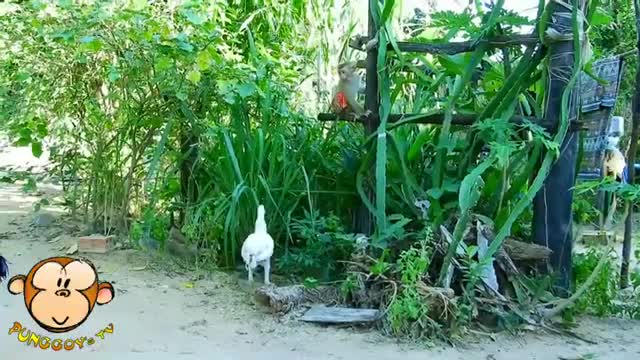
61	292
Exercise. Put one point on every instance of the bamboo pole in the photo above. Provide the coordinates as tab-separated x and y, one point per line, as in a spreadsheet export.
631	159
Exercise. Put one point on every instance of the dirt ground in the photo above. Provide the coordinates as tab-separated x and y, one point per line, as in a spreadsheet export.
156	315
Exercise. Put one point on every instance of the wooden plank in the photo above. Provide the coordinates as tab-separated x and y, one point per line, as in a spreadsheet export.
339	315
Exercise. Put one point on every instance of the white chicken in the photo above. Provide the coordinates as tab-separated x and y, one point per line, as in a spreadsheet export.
257	248
614	162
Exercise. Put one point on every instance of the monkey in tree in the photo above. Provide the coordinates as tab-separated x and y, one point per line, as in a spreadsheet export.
61	292
345	98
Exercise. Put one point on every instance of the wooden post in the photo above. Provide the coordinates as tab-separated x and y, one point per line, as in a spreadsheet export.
631	160
371	102
552	212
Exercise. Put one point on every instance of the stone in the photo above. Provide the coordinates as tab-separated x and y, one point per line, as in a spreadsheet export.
43	219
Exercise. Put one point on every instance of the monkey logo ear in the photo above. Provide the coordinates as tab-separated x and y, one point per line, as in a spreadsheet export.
60	292
16	284
105	293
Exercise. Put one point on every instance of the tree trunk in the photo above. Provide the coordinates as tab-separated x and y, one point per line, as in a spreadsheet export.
552	212
631	159
189	154
371	102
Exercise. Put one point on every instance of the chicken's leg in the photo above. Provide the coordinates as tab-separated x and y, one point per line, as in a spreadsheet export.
266	265
250	270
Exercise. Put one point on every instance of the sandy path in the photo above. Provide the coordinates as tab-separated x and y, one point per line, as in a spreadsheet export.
156	317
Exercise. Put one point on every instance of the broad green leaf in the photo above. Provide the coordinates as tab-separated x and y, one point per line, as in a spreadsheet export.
87	39
30	185
138	4
250	18
113	74
36	149
23	141
601	17
173	185
388	9
225	87
182	96
163	63
471	185
455	64
435	193
91	43
230	98
185	46
245	90
25	133
65	3
194	76
22	76
502	152
42	130
204	60
422	138
311	283
451	186
63	35
193	18
38	5
525	104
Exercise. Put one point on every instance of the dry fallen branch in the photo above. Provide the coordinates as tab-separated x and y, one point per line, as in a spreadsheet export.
451	48
438	299
522	251
286	298
505	263
280	299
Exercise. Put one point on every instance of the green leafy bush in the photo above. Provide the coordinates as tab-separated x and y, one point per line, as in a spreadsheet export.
321	245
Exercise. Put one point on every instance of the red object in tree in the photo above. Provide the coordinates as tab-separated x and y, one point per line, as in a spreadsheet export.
342	100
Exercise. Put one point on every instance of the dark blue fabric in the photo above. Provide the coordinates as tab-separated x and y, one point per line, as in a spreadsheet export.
4	268
596	106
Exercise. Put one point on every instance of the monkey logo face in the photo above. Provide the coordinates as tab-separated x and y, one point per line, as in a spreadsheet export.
61	292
